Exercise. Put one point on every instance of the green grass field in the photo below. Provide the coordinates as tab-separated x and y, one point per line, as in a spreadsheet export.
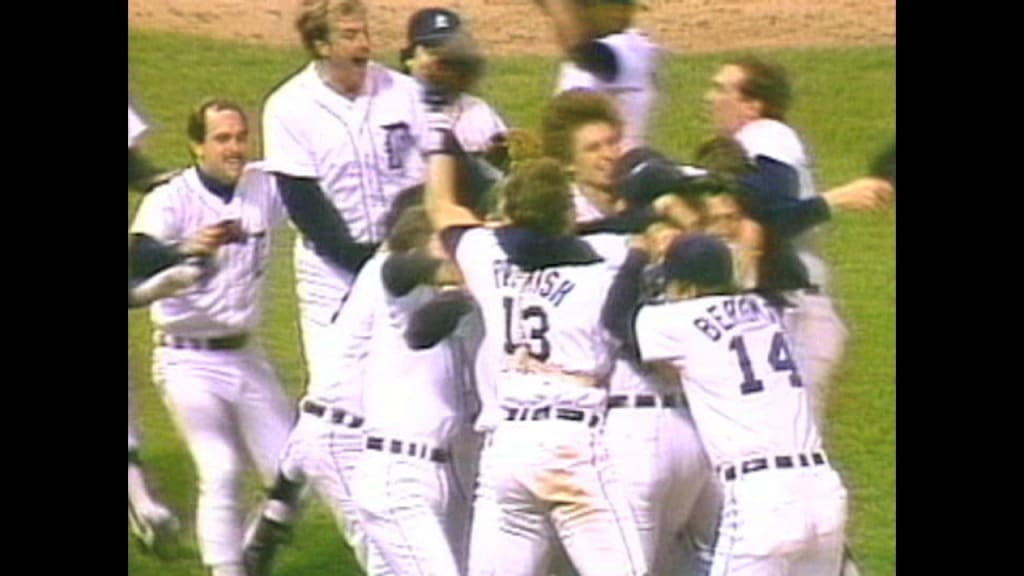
845	109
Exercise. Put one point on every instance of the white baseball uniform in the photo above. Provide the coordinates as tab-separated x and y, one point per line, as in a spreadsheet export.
784	506
818	333
363	152
547	465
633	89
416	404
213	374
651	437
326	443
475	123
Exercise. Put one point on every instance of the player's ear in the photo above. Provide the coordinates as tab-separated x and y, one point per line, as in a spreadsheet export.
196	148
753	108
322	48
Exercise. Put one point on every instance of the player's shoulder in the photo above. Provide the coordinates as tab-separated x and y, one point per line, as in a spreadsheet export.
386	80
175	187
294	89
630	40
613	248
772	138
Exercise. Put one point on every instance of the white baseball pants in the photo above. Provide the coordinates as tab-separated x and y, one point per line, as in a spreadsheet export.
229	407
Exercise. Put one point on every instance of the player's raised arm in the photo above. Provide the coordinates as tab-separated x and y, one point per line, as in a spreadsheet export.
443	152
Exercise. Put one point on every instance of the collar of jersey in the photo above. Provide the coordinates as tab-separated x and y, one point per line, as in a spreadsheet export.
530	250
223	191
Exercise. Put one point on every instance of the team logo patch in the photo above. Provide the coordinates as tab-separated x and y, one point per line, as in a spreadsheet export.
398	142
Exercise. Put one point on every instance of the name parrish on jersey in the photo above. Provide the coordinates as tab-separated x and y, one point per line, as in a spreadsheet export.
545	283
722	317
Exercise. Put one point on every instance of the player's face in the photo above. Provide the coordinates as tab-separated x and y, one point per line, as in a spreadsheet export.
596	147
729	109
223	153
724	216
348	51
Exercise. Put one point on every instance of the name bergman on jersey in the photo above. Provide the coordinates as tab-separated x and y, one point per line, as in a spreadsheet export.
732	312
546	283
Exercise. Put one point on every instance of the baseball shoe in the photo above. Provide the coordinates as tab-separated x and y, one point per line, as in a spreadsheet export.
155	529
262	538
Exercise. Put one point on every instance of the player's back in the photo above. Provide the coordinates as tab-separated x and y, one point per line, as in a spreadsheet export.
550	314
742	383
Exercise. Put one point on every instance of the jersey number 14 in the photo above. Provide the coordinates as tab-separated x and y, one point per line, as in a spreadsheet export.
779	358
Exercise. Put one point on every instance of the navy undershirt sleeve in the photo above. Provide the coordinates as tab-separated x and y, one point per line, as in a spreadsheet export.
772	198
632	221
437	319
597	58
147	256
402	272
619	313
318	220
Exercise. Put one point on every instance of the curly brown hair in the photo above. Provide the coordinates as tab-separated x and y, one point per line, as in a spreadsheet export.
567	113
536	196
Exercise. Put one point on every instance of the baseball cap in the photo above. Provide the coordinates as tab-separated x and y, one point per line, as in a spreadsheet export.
431	26
699	259
643	174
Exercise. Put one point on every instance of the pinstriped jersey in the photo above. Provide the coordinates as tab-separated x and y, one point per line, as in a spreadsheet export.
633	89
363	152
552	313
228	299
737	368
475	123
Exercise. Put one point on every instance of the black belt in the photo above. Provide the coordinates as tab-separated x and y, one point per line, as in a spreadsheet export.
645	401
338	416
548	413
730	472
413	449
233	342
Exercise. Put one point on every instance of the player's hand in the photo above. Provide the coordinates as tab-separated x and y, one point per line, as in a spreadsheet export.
676	210
209	238
863	194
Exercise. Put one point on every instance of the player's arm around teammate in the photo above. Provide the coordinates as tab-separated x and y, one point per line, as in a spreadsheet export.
213	374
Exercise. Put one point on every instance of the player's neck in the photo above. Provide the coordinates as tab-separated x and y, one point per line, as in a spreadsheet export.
347	82
601	198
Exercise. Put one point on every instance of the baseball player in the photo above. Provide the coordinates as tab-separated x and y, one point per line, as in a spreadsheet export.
416	403
340	137
153	524
784	506
539	291
649	432
439	53
748	100
213	374
604	53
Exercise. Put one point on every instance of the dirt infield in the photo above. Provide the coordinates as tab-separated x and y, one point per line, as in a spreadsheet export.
516	26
